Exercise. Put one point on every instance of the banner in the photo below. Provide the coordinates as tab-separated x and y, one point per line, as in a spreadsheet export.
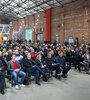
28	35
20	34
14	36
70	40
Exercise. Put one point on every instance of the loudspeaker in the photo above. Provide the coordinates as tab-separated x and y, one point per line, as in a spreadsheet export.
77	39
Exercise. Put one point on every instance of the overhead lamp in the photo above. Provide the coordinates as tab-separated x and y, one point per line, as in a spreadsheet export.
38	15
62	24
23	21
33	30
37	19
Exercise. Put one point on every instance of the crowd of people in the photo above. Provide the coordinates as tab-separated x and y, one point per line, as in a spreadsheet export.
20	58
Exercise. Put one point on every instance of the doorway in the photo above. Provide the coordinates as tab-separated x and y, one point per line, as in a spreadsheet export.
39	37
57	39
28	35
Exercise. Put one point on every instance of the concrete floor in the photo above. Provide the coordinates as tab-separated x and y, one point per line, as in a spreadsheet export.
75	87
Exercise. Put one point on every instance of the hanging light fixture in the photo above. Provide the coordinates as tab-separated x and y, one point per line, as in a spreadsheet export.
36	23
37	19
38	15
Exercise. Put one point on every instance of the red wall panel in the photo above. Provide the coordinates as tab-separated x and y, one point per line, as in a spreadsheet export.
48	25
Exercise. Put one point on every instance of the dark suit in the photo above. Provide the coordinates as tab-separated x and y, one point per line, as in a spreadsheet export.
87	62
62	63
49	62
2	77
32	69
87	59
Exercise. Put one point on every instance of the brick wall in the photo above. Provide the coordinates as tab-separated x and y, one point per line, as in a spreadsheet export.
29	23
74	17
3	22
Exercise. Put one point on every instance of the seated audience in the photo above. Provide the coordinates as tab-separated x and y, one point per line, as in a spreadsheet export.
87	57
2	77
16	71
62	64
9	55
51	64
40	58
19	57
87	61
33	69
33	54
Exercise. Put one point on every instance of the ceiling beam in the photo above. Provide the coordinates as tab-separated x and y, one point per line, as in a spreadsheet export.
60	3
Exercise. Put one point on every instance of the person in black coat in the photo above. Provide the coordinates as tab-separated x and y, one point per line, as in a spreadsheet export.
66	43
78	58
51	64
30	68
8	57
41	63
68	55
40	59
2	78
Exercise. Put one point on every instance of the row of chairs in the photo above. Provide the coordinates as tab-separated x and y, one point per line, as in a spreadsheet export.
27	79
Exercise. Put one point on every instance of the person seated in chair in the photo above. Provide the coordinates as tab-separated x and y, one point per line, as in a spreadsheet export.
62	64
51	64
33	69
15	69
41	63
87	62
87	57
19	57
2	78
33	54
39	59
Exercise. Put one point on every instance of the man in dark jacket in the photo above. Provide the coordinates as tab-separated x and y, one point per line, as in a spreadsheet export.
2	78
8	57
52	65
62	64
87	61
32	69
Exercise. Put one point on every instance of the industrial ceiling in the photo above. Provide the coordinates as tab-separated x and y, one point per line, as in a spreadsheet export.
15	9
